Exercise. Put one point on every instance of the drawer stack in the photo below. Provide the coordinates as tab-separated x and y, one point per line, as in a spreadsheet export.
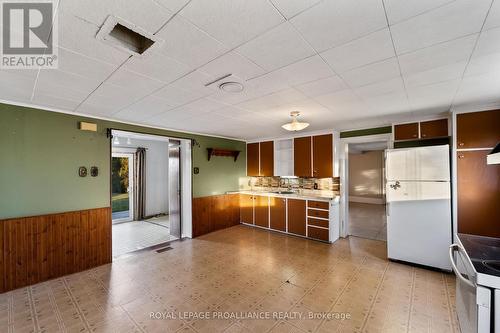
318	220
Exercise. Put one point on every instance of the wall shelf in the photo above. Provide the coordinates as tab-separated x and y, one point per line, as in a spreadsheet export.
223	152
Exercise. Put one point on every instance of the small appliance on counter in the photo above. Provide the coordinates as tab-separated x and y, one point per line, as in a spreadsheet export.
476	263
418	192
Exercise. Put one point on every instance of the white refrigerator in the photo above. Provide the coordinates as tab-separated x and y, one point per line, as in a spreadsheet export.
419	227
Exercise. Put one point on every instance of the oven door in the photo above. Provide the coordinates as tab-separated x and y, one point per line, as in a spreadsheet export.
472	301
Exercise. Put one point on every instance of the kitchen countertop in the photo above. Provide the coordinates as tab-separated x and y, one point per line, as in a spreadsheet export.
292	196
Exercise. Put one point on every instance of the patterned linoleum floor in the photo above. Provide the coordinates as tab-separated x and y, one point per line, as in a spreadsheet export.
245	271
367	221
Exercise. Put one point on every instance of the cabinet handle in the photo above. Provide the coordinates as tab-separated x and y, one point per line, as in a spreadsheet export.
461	144
424	135
414	135
461	156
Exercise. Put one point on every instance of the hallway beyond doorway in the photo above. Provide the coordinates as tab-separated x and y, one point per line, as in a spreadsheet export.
367	221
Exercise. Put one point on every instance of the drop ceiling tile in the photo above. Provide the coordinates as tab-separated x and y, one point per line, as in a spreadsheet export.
65	79
435	75
338	99
363	51
439	95
140	84
15	87
143	109
187	44
479	90
177	97
321	87
393	102
146	14
233	22
203	105
448	53
276	48
303	71
81	65
78	36
51	101
232	63
488	42
398	10
195	83
485	64
272	100
380	71
157	66
108	99
66	92
172	5
290	8
333	23
493	19
395	85
459	18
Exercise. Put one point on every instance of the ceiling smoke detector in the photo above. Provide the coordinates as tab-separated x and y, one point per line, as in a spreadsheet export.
231	87
295	125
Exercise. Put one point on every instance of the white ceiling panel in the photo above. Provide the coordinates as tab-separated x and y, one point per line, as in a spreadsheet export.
66	92
204	105
140	84
381	88
321	87
333	23
485	64
143	109
276	48
109	99
303	71
398	10
338	99
15	87
285	96
51	101
84	66
380	71
233	22
290	8
232	63
479	90
493	19
188	44
79	36
488	42
394	102
64	79
439	95
435	75
145	14
157	66
172	5
365	50
457	50
459	18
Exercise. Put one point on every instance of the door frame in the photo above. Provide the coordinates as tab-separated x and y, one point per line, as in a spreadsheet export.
131	161
344	173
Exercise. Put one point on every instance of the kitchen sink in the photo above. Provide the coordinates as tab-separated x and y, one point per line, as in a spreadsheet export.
492	264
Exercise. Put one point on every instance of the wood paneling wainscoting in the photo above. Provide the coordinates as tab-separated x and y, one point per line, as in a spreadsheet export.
215	212
39	248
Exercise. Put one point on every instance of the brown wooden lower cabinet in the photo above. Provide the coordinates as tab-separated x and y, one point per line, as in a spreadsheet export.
262	211
277	214
39	248
478	194
246	208
214	213
297	216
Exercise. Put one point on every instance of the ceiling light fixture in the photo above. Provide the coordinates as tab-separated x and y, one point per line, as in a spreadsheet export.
295	125
231	87
129	142
116	141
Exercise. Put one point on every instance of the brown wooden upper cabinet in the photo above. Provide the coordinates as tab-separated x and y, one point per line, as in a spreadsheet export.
253	159
313	156
434	129
297	216
323	156
260	159
478	129
406	131
302	155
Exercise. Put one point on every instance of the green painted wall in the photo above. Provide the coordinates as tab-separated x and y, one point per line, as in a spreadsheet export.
42	150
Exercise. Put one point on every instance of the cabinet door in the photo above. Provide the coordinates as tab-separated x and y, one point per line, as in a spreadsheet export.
246	208
406	131
297	216
262	211
267	158
434	129
323	156
302	157
277	207
478	129
478	194
253	159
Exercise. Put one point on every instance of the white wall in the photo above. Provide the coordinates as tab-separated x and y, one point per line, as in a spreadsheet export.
366	174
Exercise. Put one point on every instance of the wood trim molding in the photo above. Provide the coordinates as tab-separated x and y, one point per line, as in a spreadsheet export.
39	248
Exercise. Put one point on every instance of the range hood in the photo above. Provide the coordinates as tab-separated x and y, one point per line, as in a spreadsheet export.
494	156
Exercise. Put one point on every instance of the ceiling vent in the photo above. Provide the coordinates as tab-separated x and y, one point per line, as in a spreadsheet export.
127	37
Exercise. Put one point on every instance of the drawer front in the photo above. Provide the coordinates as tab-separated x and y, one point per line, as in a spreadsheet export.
317	233
318	222
317	213
318	204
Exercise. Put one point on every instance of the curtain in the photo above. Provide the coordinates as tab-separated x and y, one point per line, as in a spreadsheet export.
140	184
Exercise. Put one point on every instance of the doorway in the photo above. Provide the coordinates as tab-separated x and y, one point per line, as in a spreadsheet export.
146	173
122	184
